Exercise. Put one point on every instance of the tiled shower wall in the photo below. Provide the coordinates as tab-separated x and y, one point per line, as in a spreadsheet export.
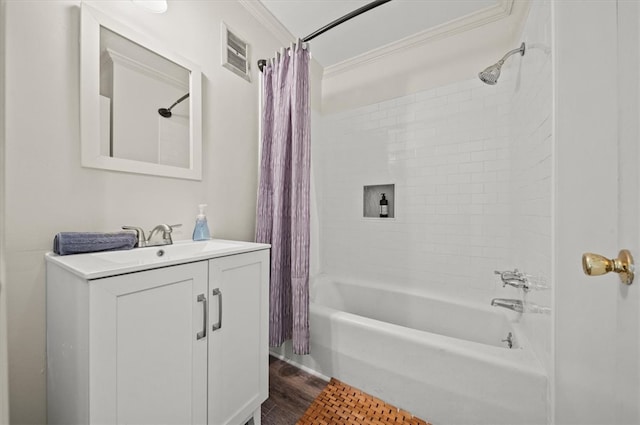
447	152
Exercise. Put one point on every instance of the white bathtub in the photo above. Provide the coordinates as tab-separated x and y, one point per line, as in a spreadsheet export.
439	359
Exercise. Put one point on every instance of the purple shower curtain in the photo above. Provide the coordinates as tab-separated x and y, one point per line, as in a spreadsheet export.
283	194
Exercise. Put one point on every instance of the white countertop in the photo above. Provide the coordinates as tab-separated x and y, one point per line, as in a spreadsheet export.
110	263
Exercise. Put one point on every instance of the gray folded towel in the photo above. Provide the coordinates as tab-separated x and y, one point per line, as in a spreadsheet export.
66	243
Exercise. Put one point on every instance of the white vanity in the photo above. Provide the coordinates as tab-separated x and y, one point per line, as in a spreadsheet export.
175	334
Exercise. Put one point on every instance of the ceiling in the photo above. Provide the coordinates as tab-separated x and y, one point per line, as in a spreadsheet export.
384	25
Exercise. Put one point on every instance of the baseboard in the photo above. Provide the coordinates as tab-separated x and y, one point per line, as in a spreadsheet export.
300	366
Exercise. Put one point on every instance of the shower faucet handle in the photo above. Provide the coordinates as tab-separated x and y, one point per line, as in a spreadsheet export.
508	274
514	278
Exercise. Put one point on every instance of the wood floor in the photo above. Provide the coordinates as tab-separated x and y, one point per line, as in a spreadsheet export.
291	392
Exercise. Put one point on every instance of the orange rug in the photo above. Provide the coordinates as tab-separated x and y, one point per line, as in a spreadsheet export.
340	404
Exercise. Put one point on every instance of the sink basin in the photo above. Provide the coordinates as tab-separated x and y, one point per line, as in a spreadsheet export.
192	248
154	254
103	264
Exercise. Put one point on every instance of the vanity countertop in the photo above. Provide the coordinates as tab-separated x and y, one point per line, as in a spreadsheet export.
97	265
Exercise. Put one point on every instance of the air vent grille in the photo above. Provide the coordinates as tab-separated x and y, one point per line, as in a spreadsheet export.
234	43
237	61
235	56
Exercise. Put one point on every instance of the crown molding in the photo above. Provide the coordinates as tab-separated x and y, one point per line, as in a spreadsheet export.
473	20
141	68
264	16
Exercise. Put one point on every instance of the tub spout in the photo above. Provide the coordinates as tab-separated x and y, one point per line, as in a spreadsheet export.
515	305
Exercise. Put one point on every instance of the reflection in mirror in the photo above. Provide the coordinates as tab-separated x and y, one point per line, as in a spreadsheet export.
134	84
140	104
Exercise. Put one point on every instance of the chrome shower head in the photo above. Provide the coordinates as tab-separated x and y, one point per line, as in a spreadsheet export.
491	73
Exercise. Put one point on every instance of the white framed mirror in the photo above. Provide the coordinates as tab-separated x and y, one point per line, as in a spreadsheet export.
140	104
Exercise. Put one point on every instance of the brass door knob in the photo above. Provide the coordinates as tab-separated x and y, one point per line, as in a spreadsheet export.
596	265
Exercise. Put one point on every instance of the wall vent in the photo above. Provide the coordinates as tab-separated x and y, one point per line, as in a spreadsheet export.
236	55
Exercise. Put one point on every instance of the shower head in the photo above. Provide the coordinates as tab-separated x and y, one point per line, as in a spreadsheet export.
491	73
166	112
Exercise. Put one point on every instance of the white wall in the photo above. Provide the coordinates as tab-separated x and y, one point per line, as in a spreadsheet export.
315	262
46	189
441	61
530	177
447	152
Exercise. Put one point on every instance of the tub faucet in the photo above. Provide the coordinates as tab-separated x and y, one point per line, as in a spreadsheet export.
515	305
508	340
514	278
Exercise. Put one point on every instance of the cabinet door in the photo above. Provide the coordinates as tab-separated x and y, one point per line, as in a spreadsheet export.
148	355
238	345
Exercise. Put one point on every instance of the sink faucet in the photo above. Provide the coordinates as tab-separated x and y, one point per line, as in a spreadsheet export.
166	230
514	278
515	305
140	238
143	241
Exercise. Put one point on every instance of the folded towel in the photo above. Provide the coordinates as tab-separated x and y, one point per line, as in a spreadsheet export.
66	243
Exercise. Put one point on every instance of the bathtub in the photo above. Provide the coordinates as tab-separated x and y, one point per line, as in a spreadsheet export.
440	359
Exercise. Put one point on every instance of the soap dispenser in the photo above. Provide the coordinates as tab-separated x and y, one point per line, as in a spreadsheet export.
201	230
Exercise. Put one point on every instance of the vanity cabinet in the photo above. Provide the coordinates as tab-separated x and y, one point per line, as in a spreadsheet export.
181	344
147	362
238	347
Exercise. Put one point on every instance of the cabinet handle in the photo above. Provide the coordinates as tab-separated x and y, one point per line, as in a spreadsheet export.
203	333
218	325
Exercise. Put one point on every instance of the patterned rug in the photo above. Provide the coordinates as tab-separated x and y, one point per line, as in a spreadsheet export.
340	404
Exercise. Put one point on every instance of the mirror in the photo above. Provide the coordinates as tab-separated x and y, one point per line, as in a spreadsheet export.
140	104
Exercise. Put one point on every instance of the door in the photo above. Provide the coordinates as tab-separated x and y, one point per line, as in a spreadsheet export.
597	192
148	361
238	345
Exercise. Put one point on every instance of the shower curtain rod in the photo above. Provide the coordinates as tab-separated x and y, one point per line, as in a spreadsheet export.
345	18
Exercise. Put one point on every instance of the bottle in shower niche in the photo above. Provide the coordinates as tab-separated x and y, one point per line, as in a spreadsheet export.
384	207
201	230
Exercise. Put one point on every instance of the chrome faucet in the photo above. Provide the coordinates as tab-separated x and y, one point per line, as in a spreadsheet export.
514	278
515	305
143	241
166	234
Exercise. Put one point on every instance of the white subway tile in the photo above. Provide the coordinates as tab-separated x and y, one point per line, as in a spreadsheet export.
449	89
471	167
459	97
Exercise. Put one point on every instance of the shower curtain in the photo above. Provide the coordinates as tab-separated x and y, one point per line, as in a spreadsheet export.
283	194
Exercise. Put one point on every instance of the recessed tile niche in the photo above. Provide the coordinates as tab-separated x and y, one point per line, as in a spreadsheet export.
371	200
